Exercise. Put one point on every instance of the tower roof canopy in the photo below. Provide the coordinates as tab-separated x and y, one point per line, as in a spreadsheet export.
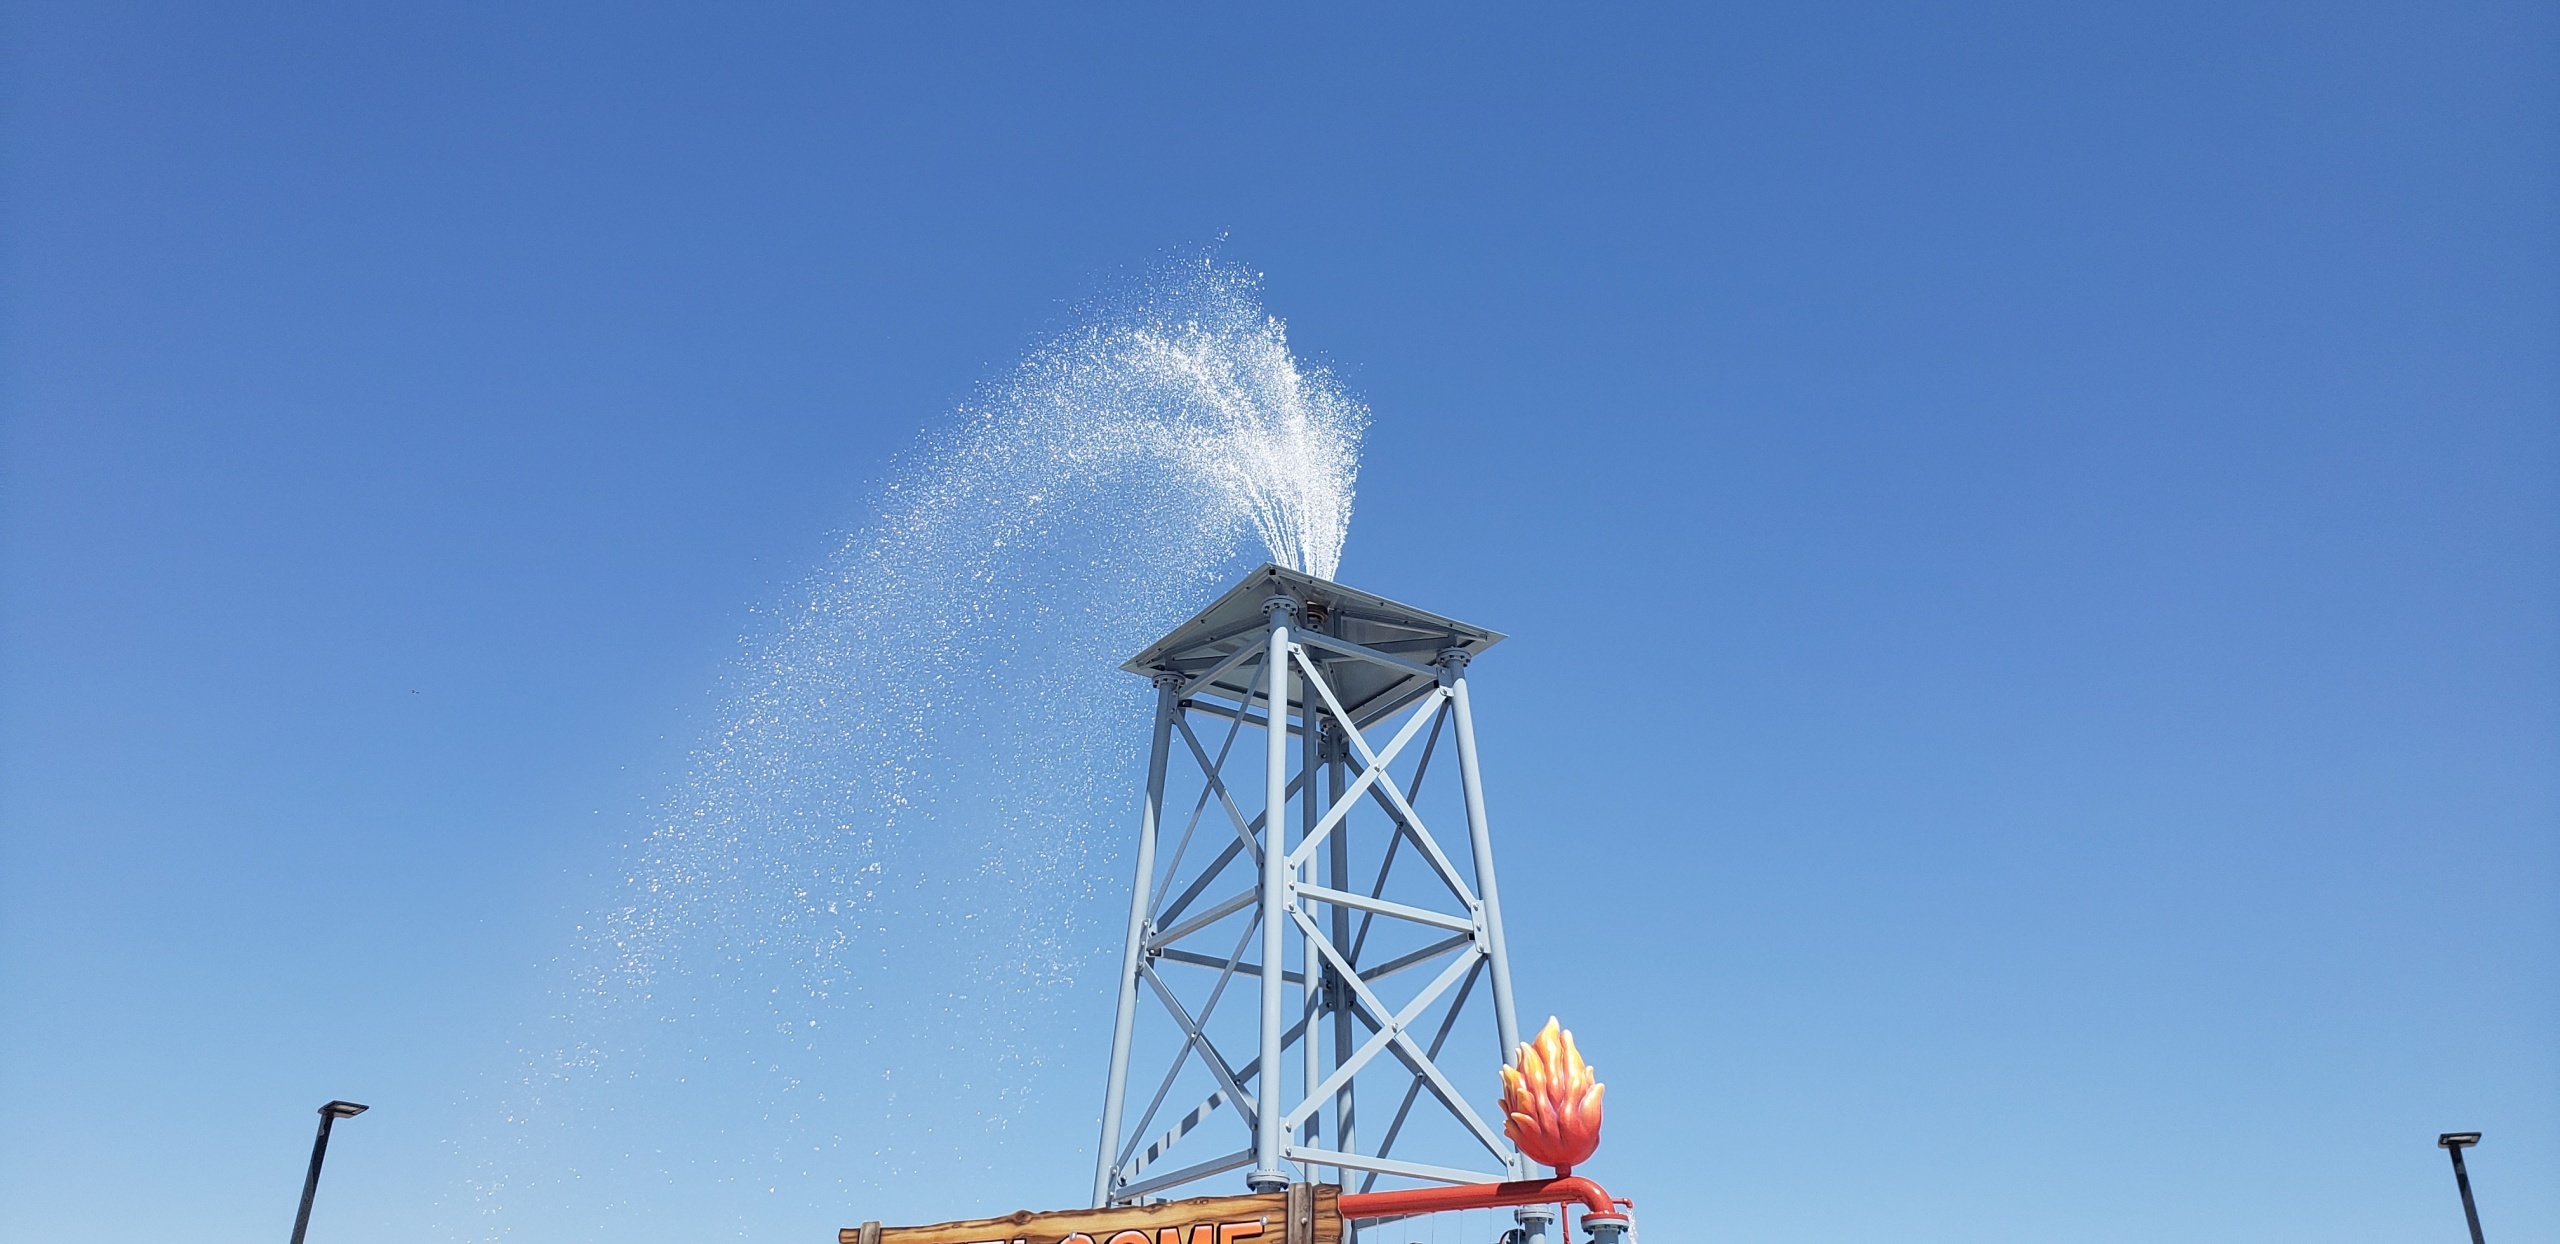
1377	653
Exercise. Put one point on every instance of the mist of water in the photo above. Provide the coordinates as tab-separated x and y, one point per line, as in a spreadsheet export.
864	924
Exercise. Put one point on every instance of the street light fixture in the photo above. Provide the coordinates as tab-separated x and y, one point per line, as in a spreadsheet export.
2454	1143
329	1114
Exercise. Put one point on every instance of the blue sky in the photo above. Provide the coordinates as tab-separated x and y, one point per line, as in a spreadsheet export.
2032	537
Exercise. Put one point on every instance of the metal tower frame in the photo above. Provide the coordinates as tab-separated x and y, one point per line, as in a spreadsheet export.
1296	657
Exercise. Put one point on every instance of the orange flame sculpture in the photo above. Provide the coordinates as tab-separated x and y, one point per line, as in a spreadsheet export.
1551	1101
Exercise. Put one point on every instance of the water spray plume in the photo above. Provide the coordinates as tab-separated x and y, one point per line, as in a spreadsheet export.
1551	1101
1278	443
851	929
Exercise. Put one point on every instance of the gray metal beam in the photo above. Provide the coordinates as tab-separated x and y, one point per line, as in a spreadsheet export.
1141	897
1198	960
1506	1018
1392	1166
1268	1174
1214	1166
1338	876
1384	907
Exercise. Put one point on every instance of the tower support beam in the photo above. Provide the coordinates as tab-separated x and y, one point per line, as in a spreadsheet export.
1268	1140
1141	897
1506	1017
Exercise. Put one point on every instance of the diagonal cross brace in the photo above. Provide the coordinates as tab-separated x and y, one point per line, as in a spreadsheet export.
1386	787
1183	1055
1209	1055
1388	1031
1404	1109
1375	774
1200	805
1128	1169
1411	1054
1209	771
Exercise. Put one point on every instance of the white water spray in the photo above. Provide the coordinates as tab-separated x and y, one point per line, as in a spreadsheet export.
844	950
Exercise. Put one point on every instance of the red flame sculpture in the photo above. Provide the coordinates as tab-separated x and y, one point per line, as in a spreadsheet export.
1551	1101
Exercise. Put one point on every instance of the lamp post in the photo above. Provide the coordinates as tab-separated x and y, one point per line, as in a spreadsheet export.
2454	1143
329	1114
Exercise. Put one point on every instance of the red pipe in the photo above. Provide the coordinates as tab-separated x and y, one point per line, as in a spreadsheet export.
1405	1201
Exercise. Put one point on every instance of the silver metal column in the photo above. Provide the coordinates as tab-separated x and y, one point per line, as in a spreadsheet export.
1311	978
1338	876
1268	1139
1506	1020
1168	689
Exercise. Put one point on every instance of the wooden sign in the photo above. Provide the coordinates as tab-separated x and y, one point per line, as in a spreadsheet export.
1305	1214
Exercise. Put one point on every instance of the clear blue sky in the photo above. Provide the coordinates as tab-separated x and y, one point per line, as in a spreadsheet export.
2033	537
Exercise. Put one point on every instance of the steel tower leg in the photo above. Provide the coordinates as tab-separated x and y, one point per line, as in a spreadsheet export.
1268	1174
1140	899
1338	876
1311	975
1506	1020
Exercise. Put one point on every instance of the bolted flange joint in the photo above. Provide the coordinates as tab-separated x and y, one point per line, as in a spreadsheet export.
1607	1228
1535	1221
1452	662
1274	606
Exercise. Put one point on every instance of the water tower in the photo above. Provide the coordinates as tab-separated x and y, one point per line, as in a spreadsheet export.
1315	986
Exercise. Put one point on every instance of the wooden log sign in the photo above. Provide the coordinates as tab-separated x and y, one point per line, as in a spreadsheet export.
1305	1214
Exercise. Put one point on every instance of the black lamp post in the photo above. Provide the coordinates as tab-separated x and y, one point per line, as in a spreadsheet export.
2454	1143
337	1110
